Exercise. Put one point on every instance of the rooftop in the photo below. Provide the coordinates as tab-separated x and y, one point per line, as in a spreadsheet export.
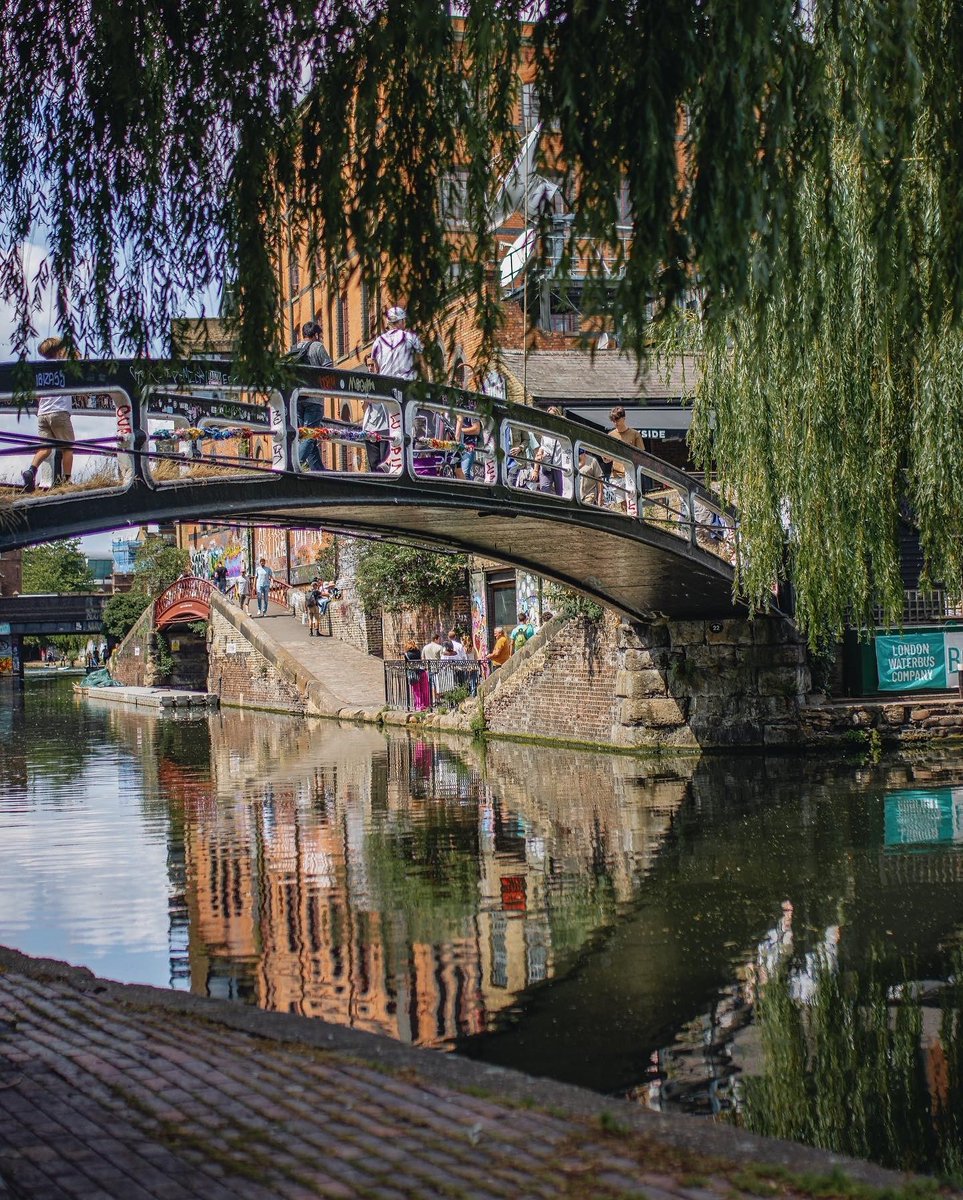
609	375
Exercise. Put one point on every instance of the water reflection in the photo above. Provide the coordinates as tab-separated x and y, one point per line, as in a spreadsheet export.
603	920
397	887
857	1065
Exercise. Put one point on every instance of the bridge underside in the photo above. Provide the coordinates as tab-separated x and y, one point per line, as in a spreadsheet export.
185	610
637	569
637	579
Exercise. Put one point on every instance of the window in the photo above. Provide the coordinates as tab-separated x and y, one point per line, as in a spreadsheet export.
343	325
365	312
369	311
454	198
624	204
529	107
294	272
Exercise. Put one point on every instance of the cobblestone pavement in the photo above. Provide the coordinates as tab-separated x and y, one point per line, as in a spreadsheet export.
113	1092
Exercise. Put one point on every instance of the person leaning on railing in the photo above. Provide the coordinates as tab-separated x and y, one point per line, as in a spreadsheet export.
501	651
630	437
418	683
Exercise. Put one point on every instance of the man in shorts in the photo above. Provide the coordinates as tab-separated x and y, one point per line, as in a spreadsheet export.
53	422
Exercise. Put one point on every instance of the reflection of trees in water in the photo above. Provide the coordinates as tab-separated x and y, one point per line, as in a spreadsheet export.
853	1070
427	870
48	734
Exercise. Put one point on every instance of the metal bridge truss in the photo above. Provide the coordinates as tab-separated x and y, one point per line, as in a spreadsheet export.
374	456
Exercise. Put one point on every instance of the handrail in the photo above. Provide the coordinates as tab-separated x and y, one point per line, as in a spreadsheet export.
188	587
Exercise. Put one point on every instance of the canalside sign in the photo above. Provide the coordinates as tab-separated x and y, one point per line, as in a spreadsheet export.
919	660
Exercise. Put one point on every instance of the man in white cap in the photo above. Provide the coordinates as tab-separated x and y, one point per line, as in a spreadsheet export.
397	351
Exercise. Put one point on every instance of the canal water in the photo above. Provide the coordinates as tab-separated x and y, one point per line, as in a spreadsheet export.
773	941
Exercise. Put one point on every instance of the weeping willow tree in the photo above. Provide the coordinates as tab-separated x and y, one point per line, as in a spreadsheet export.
800	161
832	401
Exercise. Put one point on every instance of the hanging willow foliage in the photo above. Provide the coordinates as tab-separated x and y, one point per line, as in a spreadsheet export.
802	160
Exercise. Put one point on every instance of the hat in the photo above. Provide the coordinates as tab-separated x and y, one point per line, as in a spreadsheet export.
396	314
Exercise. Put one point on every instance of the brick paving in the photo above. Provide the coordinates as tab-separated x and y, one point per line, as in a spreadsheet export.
109	1091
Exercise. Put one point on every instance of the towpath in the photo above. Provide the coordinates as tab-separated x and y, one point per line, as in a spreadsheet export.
109	1091
351	676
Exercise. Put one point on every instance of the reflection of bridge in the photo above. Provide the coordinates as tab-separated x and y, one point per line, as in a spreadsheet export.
645	539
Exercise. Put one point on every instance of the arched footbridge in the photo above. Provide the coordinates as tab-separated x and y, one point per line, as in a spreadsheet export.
373	456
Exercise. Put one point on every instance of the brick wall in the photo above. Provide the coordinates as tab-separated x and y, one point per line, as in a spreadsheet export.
132	663
561	685
11	573
241	672
359	629
418	624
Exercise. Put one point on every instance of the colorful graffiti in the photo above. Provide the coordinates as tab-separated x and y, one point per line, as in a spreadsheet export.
529	596
208	550
479	613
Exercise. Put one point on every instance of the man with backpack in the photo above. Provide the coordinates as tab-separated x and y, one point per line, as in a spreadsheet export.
310	352
522	632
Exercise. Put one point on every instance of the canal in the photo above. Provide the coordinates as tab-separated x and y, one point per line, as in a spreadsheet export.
774	941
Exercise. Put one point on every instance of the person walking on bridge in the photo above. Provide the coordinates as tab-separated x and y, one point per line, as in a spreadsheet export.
53	422
263	578
311	351
397	351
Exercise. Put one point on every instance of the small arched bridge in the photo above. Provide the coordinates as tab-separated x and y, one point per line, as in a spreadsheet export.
374	456
189	599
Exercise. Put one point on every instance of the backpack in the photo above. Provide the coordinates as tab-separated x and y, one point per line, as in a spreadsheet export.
519	638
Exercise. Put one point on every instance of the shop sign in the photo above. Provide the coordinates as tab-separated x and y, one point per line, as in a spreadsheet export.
919	660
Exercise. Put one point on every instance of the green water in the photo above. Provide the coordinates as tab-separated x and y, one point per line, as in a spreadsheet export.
663	930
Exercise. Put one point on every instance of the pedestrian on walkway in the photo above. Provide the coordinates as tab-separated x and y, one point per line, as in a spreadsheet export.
243	589
220	577
262	580
523	632
53	422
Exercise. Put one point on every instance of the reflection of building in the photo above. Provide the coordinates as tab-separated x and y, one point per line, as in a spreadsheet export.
399	895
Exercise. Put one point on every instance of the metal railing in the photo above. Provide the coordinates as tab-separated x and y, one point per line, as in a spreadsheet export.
407	430
418	685
188	587
921	608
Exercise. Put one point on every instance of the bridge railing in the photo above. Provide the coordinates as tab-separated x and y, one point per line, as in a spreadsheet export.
188	587
176	422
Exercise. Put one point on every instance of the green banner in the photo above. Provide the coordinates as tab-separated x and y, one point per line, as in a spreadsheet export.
914	660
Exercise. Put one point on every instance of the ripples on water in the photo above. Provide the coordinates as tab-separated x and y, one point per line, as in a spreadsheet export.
603	920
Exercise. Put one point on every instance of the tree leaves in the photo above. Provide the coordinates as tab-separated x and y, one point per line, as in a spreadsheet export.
799	164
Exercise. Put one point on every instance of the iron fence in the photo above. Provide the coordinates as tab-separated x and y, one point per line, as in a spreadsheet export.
417	685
